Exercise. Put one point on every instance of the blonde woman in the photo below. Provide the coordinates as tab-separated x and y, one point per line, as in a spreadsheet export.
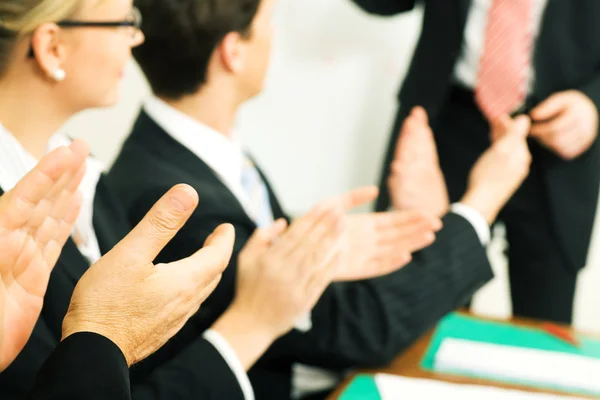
58	58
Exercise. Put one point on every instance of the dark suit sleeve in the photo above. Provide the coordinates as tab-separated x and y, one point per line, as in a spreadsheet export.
84	366
198	372
385	7
592	89
368	323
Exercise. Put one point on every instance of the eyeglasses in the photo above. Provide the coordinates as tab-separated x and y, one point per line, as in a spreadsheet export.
133	22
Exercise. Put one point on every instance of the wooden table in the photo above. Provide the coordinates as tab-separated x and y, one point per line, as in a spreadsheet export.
407	364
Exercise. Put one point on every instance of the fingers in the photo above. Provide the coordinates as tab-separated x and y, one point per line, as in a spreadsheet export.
208	263
404	237
23	199
53	247
161	223
354	198
404	218
562	123
420	114
521	127
550	108
299	229
311	235
416	125
517	134
500	126
32	198
261	239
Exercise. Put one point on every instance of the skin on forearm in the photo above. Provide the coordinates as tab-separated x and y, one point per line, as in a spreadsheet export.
245	334
485	204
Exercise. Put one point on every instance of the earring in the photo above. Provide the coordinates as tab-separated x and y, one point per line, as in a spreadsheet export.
58	74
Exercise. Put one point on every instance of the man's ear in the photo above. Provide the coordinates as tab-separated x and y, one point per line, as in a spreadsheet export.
232	51
48	49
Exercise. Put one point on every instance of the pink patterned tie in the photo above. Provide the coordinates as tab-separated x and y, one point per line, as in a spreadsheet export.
502	80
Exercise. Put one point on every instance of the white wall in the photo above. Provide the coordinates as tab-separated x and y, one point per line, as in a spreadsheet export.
322	123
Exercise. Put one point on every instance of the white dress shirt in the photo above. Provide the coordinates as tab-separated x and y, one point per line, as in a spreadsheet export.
16	162
467	66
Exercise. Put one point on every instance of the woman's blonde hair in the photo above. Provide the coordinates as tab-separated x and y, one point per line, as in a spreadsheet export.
19	18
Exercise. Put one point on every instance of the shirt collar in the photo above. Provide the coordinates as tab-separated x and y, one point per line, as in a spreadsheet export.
221	153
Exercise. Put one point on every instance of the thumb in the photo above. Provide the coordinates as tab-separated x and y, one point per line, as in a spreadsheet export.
521	126
204	265
355	198
500	126
550	107
161	223
420	114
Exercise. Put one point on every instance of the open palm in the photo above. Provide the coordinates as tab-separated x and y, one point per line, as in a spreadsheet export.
36	218
380	243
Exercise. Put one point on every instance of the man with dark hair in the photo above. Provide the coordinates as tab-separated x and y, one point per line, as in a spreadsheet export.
204	59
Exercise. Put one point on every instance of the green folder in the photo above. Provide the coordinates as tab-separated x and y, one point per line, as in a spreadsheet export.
363	387
460	326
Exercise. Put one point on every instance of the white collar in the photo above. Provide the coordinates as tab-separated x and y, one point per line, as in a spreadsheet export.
221	153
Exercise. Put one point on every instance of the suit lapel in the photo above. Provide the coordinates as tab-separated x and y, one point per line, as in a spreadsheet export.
72	262
463	10
275	205
192	169
109	219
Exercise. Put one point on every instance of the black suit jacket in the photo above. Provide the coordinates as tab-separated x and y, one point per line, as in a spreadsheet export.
84	366
566	56
357	324
194	370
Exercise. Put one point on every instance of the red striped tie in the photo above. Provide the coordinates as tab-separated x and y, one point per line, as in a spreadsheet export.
502	80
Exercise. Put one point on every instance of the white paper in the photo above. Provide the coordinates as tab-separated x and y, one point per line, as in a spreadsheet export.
393	387
559	370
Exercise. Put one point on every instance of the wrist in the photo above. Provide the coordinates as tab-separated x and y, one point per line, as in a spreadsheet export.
482	202
72	326
246	334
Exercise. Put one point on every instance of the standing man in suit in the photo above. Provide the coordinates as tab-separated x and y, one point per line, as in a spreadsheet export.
479	62
211	60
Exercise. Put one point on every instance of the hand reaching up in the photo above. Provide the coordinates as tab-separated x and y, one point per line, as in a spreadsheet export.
416	181
36	218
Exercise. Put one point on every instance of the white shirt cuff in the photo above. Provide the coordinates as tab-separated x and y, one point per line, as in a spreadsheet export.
232	360
304	324
475	218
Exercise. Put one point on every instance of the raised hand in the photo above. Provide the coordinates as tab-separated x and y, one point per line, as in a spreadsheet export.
36	218
281	274
139	305
416	181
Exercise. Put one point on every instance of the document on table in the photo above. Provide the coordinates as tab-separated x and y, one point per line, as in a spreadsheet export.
393	387
571	372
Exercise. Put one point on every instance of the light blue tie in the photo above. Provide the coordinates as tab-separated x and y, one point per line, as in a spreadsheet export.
258	195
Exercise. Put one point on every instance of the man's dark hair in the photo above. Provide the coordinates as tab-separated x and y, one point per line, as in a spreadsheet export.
181	36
